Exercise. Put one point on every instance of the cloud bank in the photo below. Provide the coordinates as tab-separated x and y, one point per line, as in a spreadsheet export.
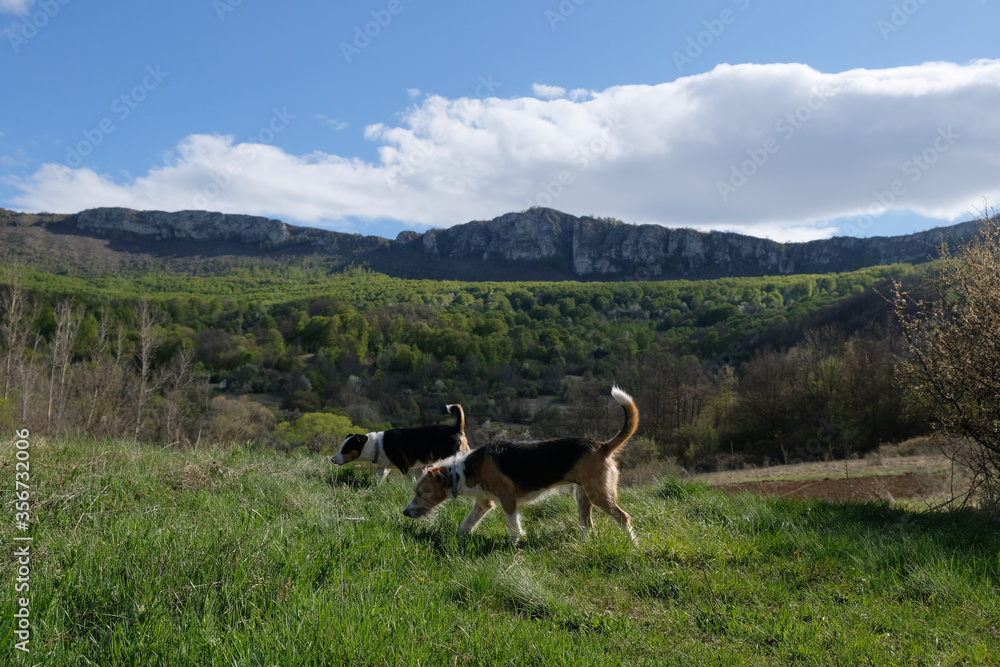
778	150
15	6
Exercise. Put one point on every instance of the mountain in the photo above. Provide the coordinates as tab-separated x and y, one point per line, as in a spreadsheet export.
537	244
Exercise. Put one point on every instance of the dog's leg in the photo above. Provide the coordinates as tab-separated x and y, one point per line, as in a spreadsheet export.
606	501
508	501
381	475
479	510
584	508
514	526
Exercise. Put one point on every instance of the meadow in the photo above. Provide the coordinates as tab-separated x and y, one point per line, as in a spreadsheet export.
148	555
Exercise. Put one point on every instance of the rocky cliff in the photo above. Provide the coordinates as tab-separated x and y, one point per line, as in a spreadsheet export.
183	225
537	244
587	248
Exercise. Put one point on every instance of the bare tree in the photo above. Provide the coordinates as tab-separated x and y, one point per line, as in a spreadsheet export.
673	390
184	400
770	384
21	341
954	362
15	329
61	353
148	320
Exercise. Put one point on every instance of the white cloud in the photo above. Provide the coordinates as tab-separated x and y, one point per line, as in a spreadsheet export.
15	6
548	92
783	233
17	158
337	125
777	150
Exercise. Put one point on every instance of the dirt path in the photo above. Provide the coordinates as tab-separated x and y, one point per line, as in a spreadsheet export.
909	486
903	478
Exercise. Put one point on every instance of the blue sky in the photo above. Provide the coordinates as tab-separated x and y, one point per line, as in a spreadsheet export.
792	120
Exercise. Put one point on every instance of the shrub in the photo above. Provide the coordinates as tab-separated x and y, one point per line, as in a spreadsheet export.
237	421
317	431
953	356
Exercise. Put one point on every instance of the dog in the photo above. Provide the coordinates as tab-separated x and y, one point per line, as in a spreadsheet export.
510	473
406	448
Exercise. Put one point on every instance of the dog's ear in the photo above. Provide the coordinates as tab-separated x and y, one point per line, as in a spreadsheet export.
437	474
363	439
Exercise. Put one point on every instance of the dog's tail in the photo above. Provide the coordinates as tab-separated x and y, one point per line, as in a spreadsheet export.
631	421
456	410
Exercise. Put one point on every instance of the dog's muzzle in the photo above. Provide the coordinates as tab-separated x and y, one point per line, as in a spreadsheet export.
414	512
338	459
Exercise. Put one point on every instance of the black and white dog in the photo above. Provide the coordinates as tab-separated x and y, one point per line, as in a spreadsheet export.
515	473
406	448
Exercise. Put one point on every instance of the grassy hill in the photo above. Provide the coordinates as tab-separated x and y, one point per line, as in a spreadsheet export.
220	557
380	349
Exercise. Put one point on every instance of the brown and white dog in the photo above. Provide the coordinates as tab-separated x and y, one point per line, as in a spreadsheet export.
510	473
406	448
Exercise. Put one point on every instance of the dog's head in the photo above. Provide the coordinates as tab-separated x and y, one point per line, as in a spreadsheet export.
350	449
430	491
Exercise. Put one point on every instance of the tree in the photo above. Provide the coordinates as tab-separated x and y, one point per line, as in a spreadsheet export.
15	329
67	321
184	399
105	382
238	421
771	383
954	361
21	341
148	321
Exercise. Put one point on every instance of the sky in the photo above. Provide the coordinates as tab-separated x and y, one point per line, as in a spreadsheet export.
786	119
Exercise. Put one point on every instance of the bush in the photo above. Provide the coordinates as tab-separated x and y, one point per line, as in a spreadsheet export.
637	452
317	431
952	337
237	421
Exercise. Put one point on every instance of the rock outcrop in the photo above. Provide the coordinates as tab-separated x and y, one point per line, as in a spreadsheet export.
537	244
183	225
588	248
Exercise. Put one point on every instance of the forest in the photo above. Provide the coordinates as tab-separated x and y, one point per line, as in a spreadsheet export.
725	372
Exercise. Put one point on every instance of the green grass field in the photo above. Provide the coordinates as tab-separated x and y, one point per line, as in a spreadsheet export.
231	557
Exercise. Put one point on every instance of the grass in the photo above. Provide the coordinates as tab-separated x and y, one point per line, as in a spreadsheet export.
151	556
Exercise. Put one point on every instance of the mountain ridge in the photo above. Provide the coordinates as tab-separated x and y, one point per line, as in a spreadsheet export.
536	244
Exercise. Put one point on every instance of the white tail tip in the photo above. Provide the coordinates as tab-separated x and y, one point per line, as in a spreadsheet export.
620	395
